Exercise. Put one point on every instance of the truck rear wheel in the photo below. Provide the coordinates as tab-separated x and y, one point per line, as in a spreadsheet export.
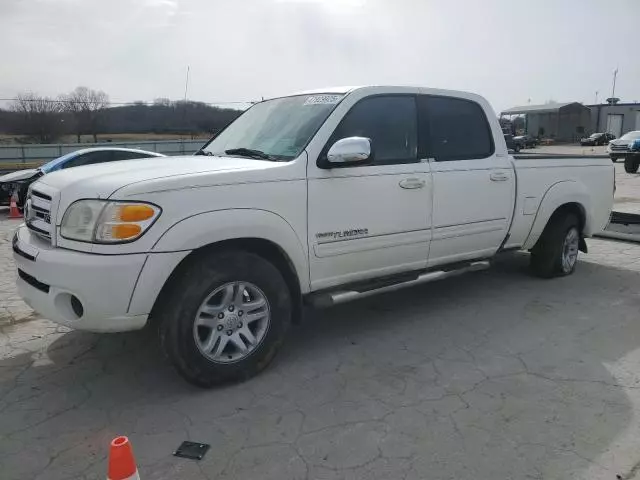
556	252
631	163
225	317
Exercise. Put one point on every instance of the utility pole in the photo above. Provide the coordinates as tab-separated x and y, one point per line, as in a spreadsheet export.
613	89
186	84
184	104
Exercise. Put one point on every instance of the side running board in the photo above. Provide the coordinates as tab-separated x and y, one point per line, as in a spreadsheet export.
345	294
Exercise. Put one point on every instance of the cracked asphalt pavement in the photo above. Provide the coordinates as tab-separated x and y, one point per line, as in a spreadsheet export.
491	375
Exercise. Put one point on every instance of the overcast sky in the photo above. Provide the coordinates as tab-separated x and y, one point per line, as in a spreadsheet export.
510	51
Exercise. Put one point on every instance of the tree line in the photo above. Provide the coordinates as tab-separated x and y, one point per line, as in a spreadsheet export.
85	111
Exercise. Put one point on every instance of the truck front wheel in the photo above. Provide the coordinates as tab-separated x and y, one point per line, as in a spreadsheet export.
225	317
556	252
631	163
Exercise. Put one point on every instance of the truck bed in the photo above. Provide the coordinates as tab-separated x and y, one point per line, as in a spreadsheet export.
587	178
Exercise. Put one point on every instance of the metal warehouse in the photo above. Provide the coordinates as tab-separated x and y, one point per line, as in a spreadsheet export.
618	119
563	122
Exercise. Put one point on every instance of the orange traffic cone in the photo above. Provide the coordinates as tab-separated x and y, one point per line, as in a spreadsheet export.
13	207
122	466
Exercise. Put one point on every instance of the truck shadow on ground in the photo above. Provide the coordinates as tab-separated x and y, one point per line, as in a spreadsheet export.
490	375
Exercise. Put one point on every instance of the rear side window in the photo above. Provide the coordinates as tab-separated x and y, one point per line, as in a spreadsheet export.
391	124
455	129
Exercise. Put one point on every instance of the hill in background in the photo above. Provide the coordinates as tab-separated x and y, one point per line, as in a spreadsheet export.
136	121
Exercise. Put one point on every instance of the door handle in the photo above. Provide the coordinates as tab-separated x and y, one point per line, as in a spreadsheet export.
498	176
411	183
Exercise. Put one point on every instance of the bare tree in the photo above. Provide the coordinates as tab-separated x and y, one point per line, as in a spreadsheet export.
86	106
39	116
162	102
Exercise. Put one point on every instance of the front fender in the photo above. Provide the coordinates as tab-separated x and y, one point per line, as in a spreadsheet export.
215	226
557	195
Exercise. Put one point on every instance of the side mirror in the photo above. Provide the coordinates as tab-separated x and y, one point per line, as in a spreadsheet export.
349	150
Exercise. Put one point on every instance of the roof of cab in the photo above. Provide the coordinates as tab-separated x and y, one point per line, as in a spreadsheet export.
392	89
342	90
401	88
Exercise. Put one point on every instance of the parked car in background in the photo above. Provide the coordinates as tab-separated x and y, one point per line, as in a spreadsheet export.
5	193
620	147
19	181
596	139
512	145
526	141
632	160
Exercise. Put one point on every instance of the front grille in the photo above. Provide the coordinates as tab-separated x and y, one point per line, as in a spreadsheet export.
34	282
38	214
38	194
620	148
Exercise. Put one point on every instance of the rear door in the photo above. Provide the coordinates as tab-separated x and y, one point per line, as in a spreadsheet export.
473	186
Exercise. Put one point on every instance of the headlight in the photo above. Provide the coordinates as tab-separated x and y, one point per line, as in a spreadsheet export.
99	221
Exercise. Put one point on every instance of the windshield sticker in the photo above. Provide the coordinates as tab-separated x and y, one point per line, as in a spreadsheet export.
322	100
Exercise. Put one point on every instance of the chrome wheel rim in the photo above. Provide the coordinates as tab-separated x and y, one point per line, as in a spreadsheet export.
232	322
570	249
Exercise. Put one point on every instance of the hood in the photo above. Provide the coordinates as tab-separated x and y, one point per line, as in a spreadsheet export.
103	179
619	141
19	175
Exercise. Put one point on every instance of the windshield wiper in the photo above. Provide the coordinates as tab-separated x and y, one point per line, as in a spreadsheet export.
249	152
204	152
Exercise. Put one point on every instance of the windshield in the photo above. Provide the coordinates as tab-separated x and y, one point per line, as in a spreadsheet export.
51	166
281	128
631	135
595	135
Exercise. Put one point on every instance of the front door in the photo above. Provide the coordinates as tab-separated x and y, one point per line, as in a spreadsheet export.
473	184
371	220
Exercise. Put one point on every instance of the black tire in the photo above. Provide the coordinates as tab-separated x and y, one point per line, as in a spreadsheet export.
546	255
189	290
631	164
516	148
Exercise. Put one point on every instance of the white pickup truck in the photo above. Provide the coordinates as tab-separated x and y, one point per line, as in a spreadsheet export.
313	198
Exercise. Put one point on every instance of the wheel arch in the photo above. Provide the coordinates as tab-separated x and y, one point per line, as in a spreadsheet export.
261	232
560	199
266	249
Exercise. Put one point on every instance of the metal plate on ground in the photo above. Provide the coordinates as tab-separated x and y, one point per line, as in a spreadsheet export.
192	450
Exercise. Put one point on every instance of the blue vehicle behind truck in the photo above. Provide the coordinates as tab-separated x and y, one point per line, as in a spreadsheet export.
18	182
632	159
